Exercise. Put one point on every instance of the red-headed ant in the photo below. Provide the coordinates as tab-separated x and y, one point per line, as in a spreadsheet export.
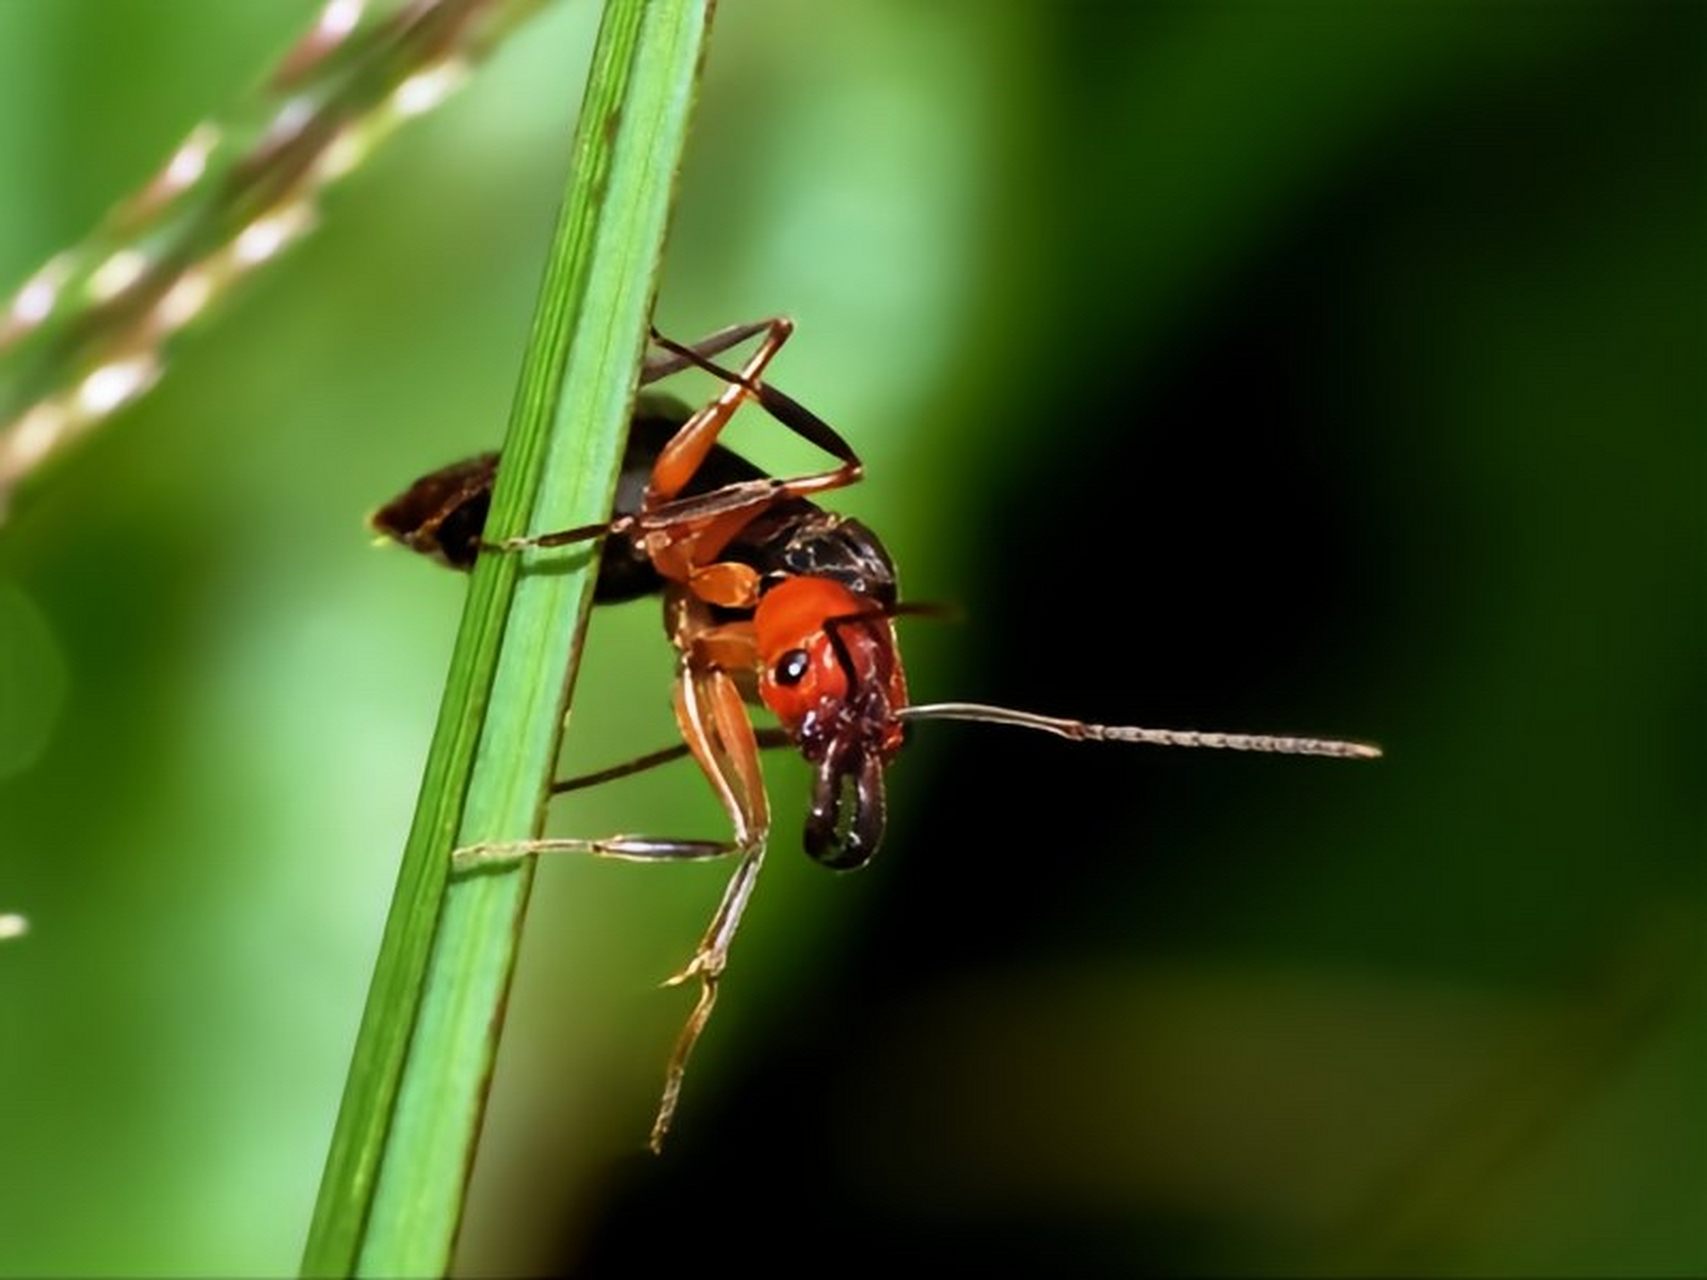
767	598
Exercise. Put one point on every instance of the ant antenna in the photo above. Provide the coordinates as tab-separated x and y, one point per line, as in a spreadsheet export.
1083	731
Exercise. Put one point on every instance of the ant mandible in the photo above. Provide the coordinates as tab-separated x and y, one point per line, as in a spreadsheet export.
767	598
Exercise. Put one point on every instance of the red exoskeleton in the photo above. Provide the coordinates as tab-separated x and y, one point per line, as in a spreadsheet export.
767	598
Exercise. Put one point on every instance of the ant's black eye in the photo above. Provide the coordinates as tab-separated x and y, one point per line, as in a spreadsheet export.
791	667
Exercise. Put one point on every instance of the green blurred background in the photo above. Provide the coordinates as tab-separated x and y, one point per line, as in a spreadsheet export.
1327	368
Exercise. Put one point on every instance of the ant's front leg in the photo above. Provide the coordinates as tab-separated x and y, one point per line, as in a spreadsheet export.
713	720
714	725
715	730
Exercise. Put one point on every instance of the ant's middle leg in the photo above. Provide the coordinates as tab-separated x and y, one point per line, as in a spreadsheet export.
714	724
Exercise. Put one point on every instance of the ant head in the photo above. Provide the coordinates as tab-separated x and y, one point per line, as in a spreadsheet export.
830	672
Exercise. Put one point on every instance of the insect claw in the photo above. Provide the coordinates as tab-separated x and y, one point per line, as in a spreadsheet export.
702	963
707	966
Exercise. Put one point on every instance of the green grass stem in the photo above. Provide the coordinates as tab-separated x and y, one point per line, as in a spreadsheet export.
392	1194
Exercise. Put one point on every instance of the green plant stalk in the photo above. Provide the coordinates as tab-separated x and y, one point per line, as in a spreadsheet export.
392	1194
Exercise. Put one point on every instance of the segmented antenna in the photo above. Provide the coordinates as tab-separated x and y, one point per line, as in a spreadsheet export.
1082	731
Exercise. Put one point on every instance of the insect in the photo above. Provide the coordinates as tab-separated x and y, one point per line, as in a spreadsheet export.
767	598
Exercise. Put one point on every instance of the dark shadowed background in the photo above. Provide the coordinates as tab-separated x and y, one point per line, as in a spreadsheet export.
1302	367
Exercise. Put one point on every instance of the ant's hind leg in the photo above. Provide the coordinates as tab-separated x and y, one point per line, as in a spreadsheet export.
697	435
672	357
682	457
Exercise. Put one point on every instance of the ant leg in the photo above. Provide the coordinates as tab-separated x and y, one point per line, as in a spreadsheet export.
712	955
560	538
717	732
489	853
738	785
767	739
784	408
695	529
714	723
707	965
673	357
682	457
687	449
712	519
685	535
